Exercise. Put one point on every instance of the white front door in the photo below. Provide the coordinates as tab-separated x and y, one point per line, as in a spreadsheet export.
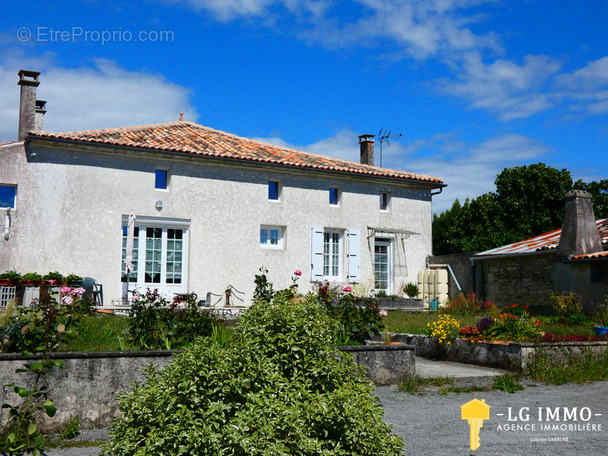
159	257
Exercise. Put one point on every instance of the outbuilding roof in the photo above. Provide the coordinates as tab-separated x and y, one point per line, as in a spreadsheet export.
546	241
191	138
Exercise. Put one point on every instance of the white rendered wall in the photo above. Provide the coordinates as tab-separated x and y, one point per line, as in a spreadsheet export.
71	204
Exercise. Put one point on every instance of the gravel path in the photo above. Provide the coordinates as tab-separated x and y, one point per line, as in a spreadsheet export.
431	425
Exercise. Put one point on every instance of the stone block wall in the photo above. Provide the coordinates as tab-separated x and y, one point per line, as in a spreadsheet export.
524	279
89	385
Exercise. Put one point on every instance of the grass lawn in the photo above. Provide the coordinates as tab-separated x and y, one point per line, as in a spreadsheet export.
100	332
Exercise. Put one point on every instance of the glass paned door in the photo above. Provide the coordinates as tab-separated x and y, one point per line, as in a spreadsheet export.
331	254
382	270
159	259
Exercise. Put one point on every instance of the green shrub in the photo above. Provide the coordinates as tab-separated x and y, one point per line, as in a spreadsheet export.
566	305
358	318
156	324
600	312
279	388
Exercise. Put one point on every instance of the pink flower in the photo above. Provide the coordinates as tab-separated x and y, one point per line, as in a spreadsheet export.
65	289
382	313
346	288
297	272
67	300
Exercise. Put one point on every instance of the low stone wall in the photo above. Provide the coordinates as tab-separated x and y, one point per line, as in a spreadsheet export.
502	355
385	364
89	384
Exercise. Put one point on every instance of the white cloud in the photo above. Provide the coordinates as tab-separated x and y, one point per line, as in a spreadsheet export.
102	95
586	89
503	87
228	10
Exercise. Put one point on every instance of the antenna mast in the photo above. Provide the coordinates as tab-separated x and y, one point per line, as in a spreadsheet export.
385	135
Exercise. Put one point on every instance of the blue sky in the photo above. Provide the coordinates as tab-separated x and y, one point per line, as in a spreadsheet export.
472	86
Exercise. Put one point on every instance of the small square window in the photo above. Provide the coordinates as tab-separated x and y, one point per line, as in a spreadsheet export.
274	190
334	196
162	179
384	200
271	237
8	196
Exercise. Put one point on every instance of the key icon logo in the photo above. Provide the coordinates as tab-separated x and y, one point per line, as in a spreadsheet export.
475	412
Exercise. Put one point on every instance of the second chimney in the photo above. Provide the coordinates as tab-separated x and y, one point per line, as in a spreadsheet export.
579	234
366	143
28	80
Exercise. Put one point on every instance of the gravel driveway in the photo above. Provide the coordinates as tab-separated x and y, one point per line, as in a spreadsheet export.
431	425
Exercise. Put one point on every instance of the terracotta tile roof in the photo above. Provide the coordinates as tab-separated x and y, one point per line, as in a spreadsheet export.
547	241
191	138
590	256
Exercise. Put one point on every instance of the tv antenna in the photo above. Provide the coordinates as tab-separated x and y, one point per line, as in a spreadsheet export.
385	135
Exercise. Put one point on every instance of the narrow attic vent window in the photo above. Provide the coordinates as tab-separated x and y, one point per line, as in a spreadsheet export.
274	190
162	179
8	195
334	196
384	200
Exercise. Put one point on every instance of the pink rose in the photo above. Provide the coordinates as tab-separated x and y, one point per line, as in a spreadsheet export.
382	313
65	289
297	272
346	288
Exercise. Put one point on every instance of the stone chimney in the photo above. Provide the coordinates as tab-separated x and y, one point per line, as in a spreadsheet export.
366	143
579	233
40	112
28	80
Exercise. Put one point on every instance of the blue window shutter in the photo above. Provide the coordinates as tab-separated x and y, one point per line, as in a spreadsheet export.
316	254
354	254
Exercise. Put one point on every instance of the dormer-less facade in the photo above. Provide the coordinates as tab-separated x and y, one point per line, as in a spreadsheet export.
209	210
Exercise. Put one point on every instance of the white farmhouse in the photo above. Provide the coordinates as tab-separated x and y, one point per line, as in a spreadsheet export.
210	209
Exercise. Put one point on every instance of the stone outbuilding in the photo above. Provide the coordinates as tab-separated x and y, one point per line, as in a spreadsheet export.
573	258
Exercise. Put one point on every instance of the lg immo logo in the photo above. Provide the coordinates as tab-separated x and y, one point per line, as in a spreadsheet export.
475	412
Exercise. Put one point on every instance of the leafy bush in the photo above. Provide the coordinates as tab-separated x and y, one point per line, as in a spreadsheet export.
600	312
156	324
13	276
40	327
469	305
280	388
565	304
358	318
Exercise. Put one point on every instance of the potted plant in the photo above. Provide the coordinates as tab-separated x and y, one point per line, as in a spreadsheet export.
53	278
411	290
73	280
31	279
10	278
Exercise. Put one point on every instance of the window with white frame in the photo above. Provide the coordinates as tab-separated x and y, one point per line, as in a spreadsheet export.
159	254
271	237
8	196
332	254
335	254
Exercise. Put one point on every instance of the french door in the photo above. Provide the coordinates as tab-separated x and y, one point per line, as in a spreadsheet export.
159	257
382	265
